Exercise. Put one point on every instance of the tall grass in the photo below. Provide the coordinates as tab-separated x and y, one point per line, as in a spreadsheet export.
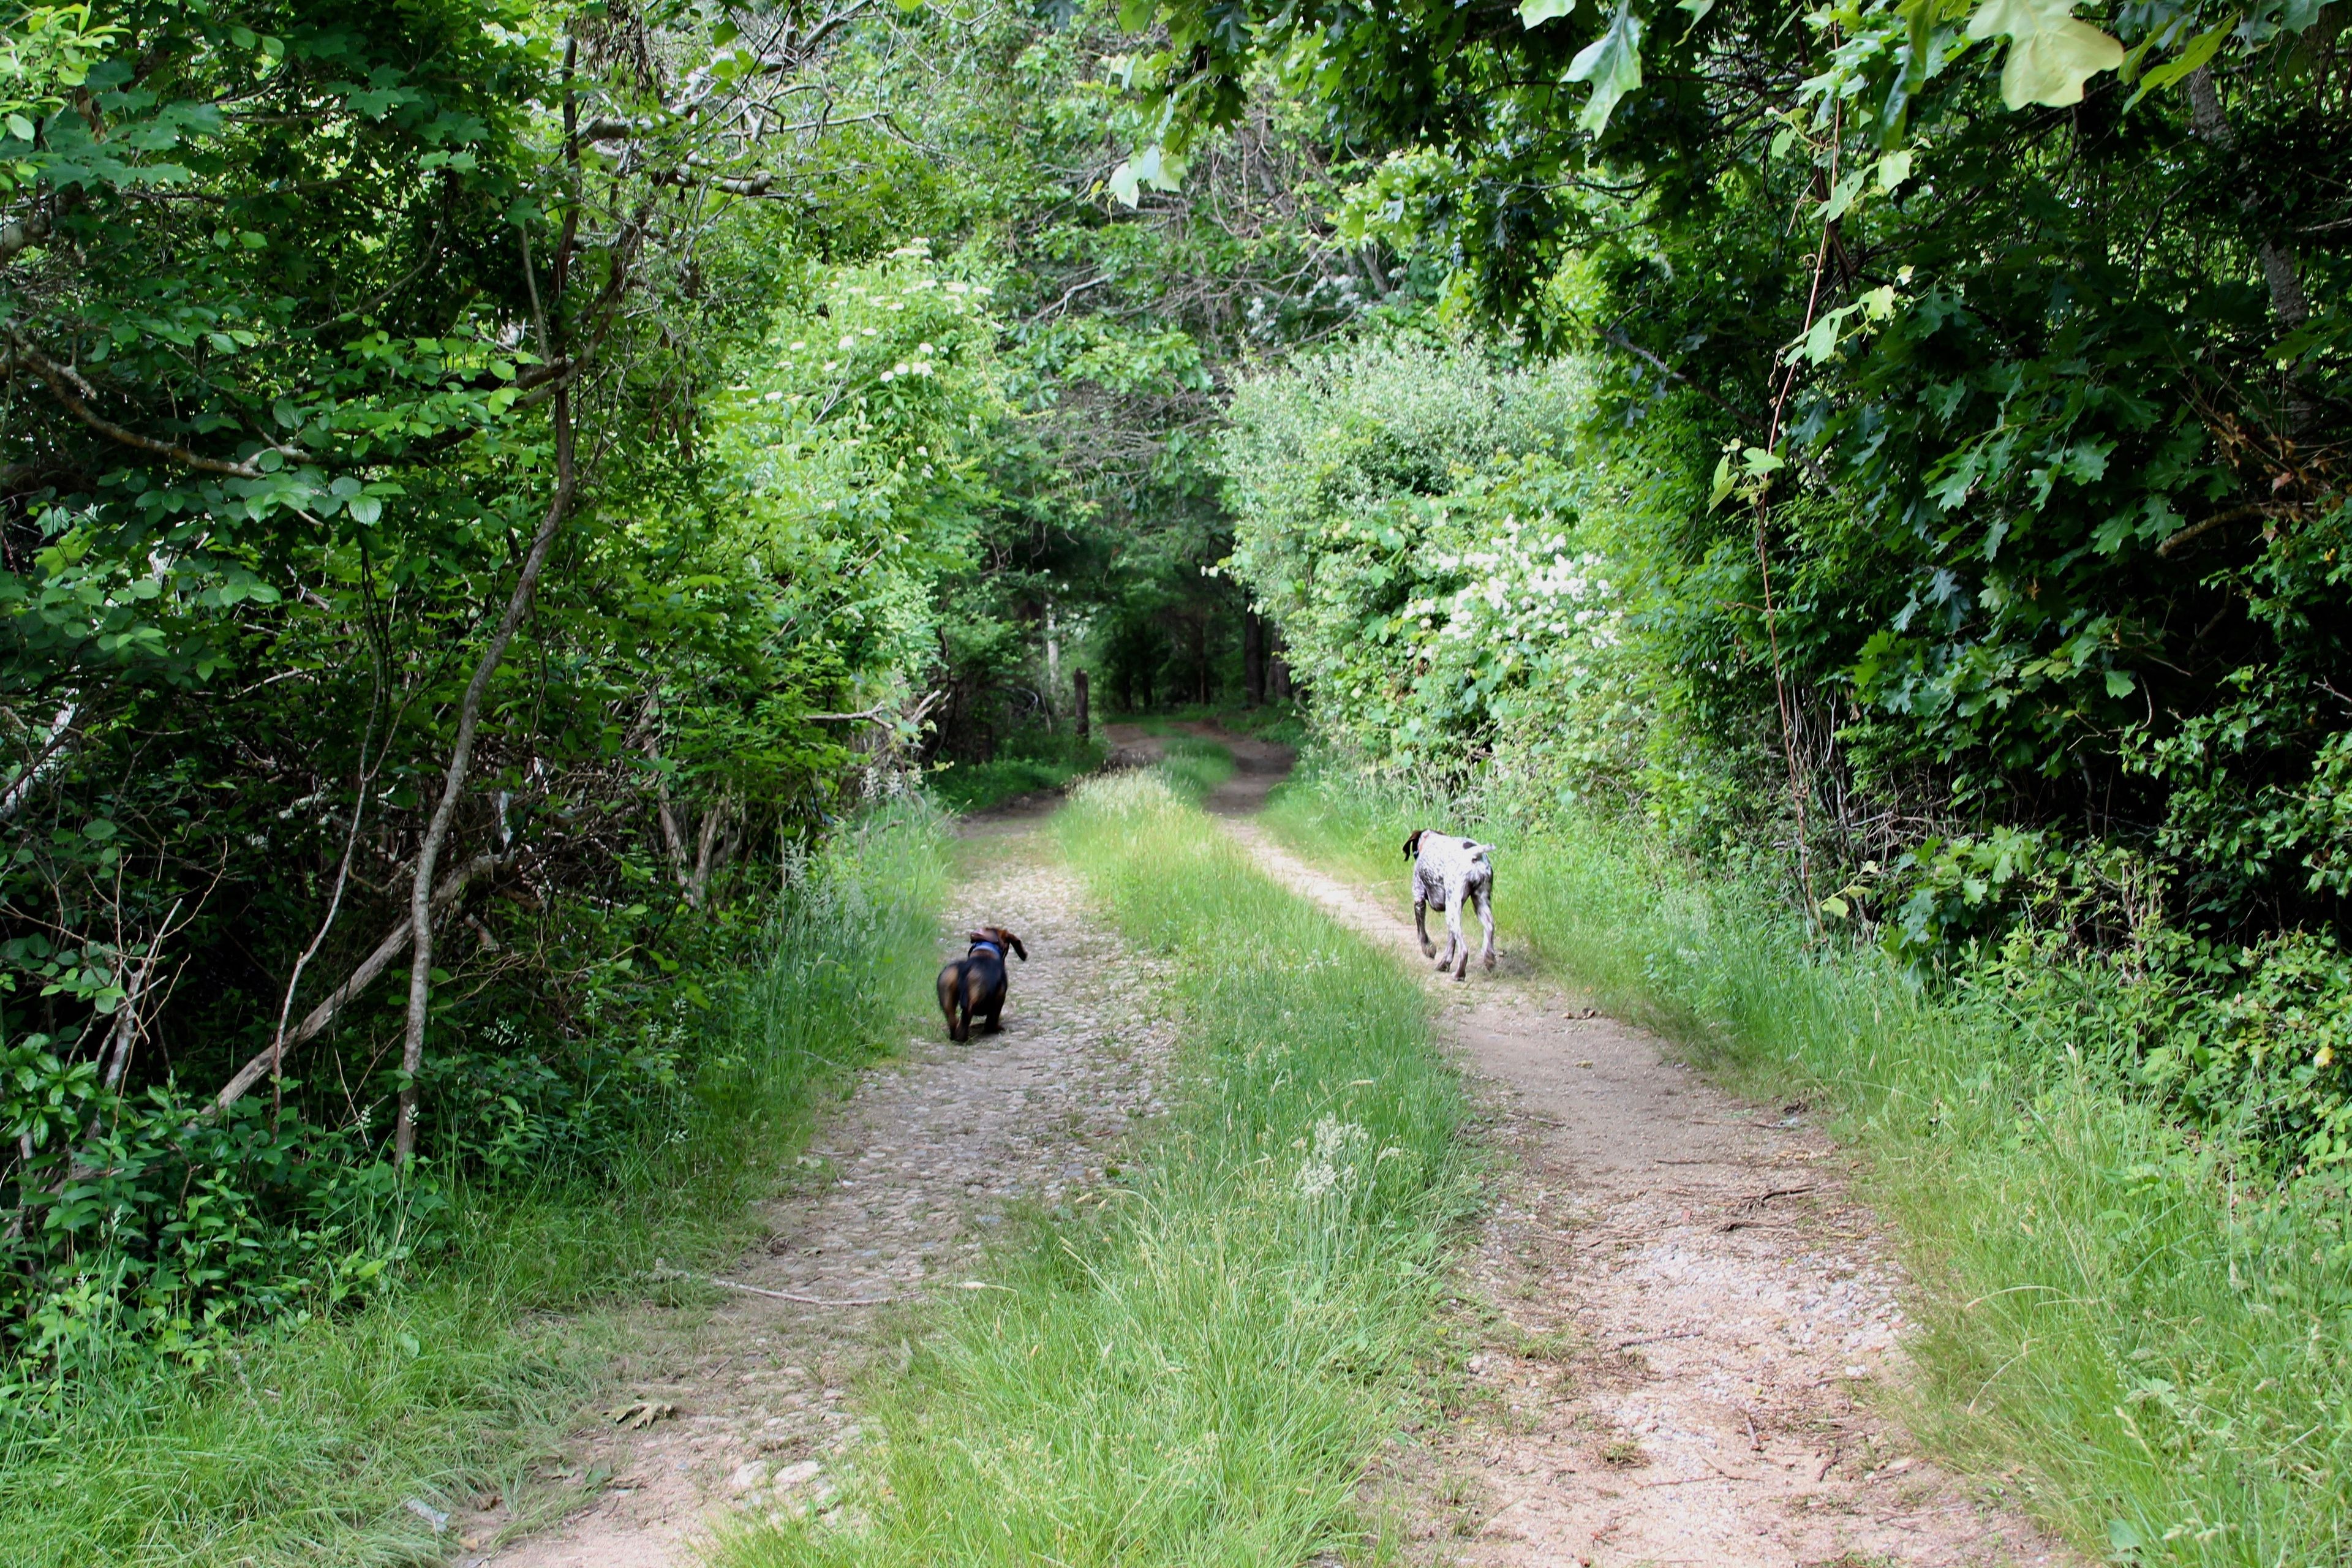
1194	766
2156	1350
305	1444
1200	1368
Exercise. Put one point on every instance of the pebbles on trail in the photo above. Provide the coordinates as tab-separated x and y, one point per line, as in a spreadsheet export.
899	1194
1680	1308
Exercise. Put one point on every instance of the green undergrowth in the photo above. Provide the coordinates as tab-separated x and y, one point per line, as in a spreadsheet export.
2153	1345
305	1444
1281	722
1195	766
1198	1364
1032	765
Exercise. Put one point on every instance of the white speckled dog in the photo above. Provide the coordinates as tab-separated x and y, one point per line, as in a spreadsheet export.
1449	872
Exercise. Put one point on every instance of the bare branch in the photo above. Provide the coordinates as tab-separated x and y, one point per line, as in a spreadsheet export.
395	943
63	384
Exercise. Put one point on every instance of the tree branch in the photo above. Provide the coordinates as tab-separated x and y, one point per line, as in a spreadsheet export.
63	384
2198	530
395	943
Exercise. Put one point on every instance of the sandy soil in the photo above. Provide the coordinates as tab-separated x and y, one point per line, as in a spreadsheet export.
897	1195
1682	1311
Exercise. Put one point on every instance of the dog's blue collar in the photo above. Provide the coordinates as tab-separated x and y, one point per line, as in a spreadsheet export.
989	945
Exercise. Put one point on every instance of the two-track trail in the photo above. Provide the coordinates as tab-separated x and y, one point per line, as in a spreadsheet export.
897	1194
1688	1309
1681	1310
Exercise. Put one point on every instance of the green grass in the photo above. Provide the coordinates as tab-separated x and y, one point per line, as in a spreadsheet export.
1194	767
1278	721
1199	1366
2156	1352
304	1445
966	787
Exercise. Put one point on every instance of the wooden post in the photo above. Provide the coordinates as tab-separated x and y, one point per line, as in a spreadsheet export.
1078	687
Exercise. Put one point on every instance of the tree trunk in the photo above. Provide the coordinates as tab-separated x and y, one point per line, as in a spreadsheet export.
1052	663
2279	272
1201	659
1253	659
1078	682
453	785
711	851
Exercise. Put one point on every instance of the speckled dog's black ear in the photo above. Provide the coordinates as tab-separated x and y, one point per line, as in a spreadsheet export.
1412	843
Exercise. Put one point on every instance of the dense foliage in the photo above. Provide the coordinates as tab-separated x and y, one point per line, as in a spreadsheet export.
426	518
1962	438
484	484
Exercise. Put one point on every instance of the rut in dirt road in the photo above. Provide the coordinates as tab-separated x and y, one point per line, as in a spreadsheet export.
899	1194
1688	1312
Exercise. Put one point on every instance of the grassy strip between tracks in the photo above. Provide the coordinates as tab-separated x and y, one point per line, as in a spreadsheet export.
468	1368
1199	1367
2116	1322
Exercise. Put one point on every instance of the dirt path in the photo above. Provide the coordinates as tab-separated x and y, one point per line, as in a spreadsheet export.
1688	1309
1684	1308
896	1195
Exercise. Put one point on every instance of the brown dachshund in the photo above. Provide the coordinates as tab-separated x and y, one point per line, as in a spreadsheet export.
974	986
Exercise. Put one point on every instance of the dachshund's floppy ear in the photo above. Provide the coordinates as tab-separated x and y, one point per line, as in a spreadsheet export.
1412	843
1019	951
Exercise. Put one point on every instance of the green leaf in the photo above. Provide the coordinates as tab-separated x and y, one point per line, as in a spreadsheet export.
1535	13
1842	194
2120	683
1613	64
1720	491
1822	341
1921	16
1894	169
1123	184
2051	55
2200	50
20	128
1134	15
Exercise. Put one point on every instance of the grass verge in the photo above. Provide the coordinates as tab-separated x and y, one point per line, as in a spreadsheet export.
1199	1367
305	1444
2156	1351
